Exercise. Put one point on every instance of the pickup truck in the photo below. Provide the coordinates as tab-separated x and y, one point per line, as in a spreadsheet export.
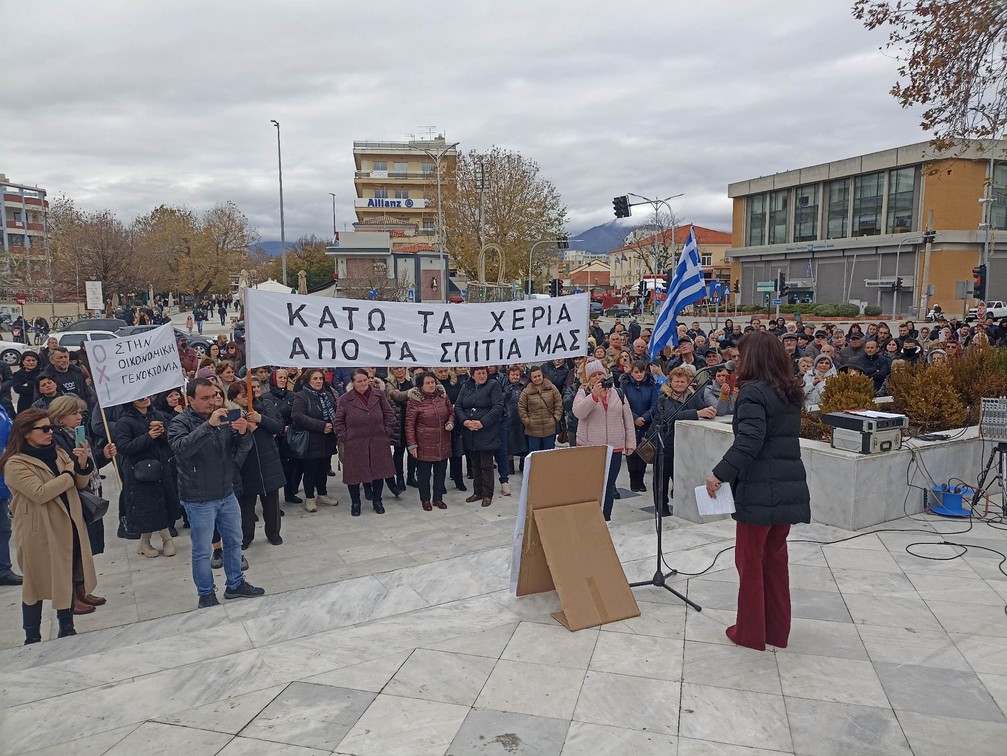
995	306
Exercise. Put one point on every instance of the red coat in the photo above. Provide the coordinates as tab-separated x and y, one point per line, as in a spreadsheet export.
426	417
365	429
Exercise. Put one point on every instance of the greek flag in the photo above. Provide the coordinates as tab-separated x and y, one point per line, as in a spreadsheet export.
687	286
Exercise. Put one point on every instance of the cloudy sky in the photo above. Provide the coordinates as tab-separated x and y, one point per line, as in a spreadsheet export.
127	105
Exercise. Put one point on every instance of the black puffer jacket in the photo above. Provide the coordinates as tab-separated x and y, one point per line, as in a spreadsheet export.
486	404
149	507
262	471
207	458
764	464
306	412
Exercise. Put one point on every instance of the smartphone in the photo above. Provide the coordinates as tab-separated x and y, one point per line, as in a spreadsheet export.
233	414
80	439
732	381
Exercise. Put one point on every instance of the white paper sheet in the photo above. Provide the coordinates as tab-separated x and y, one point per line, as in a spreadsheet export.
721	505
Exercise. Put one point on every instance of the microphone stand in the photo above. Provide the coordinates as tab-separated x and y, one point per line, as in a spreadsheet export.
660	579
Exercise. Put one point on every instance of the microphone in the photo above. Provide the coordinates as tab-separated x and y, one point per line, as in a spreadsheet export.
704	371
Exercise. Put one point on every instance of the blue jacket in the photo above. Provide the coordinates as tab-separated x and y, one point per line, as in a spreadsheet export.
642	398
5	426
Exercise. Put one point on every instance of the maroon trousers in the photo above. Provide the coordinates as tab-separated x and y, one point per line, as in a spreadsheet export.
764	590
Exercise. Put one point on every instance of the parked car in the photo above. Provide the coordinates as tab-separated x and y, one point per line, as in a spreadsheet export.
199	344
11	351
96	324
619	311
73	339
995	306
595	309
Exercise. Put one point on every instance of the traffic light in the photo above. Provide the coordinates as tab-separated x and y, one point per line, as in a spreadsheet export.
898	283
781	284
929	236
979	287
621	207
563	242
554	287
737	286
642	288
559	287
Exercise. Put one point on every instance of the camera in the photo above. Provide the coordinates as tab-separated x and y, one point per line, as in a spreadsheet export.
608	381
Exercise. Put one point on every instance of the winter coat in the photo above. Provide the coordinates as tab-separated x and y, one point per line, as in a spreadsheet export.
597	425
71	381
149	507
262	472
517	442
43	528
569	393
365	427
306	412
484	403
764	464
558	376
207	458
23	383
671	409
642	398
813	391
877	368
426	417
711	398
539	409
398	395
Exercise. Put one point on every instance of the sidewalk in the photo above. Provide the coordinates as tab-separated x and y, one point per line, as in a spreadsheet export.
397	635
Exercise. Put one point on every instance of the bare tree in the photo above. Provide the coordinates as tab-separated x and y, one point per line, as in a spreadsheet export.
497	197
654	242
952	58
385	289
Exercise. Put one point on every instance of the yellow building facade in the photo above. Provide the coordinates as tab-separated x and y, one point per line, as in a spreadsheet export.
850	230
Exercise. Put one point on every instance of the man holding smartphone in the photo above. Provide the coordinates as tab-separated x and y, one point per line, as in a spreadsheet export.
209	448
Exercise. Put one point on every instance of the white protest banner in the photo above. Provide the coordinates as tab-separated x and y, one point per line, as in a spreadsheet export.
289	329
133	367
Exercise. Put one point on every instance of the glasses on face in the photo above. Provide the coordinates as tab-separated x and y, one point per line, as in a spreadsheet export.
43	428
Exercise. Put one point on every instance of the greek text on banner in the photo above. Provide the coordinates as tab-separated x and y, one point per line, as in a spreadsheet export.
288	329
133	367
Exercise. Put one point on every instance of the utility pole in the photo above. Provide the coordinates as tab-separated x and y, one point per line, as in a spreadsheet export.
928	236
283	237
334	231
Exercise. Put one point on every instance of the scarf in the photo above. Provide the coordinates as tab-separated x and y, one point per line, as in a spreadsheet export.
325	400
44	454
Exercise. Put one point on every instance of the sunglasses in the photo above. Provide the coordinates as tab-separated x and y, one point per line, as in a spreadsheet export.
43	428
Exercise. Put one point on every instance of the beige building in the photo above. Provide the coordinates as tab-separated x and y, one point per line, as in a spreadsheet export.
25	264
632	262
396	187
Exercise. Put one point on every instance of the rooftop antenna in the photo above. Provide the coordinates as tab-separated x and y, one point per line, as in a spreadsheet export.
431	130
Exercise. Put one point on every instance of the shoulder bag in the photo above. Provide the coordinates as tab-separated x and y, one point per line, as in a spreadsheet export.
93	506
297	441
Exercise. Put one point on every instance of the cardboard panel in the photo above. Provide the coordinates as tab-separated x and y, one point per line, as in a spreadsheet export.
585	567
552	479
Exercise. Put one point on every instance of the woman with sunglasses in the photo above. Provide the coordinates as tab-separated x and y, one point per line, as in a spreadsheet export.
53	549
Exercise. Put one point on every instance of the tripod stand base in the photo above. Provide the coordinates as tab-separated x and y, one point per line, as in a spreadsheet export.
660	580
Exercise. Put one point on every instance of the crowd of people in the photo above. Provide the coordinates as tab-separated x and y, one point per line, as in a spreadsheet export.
206	458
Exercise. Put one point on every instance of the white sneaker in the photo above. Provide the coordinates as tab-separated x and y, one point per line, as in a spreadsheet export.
327	501
310	505
505	489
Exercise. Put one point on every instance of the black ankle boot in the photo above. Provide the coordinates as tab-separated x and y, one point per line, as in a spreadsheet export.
354	509
65	618
31	615
379	508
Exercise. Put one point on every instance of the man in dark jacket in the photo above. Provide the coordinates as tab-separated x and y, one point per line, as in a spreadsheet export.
597	333
557	373
69	378
207	450
874	364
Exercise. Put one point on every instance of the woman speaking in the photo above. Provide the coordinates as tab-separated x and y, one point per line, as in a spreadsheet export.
767	475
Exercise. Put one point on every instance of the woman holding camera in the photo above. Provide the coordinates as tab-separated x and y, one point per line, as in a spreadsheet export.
149	493
53	550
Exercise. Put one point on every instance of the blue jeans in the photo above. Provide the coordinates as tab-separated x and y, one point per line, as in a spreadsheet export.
199	325
541	444
502	452
5	531
226	515
613	472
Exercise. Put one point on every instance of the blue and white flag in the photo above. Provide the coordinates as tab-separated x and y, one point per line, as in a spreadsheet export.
687	286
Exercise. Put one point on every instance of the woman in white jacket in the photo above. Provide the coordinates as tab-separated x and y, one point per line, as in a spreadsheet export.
814	379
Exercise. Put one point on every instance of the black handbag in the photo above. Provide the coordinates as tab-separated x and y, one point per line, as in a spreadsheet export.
147	470
297	441
93	506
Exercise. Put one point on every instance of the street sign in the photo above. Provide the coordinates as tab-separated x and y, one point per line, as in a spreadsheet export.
21	299
765	286
777	301
411	295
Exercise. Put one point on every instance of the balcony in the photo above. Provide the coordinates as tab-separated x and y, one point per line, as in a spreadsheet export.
382	176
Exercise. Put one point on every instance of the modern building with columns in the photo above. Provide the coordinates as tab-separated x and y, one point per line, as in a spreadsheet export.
847	230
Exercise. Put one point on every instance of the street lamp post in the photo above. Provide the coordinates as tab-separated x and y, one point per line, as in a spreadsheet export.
531	252
437	157
334	232
656	203
283	237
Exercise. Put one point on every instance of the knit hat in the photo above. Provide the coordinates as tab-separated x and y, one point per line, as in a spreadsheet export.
206	372
593	367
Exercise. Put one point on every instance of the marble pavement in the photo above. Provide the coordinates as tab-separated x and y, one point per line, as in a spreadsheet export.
397	635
